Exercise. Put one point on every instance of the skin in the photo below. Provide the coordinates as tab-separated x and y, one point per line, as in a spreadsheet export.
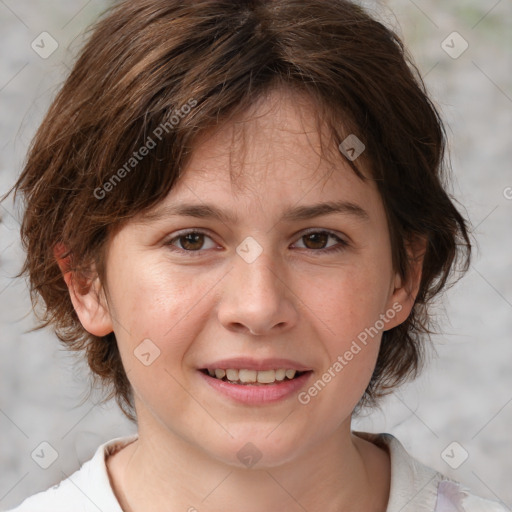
292	302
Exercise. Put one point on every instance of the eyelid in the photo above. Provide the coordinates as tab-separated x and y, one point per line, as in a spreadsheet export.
178	234
342	239
307	231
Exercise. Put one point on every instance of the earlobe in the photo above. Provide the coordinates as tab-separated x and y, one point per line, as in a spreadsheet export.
87	296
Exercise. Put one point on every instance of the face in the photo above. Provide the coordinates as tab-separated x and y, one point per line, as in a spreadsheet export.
254	276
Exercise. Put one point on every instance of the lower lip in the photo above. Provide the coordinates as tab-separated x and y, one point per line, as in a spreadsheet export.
258	394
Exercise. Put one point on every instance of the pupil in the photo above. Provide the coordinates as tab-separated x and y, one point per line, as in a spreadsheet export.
190	239
317	238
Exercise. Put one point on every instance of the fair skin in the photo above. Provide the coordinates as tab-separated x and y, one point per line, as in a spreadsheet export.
203	302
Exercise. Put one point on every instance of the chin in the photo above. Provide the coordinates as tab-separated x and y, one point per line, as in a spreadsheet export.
257	450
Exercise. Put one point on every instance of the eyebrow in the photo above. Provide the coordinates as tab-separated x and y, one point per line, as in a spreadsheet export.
298	213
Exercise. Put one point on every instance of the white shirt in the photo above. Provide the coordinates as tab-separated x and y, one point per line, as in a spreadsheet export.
414	487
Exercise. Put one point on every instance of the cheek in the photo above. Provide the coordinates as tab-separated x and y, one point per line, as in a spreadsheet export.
149	299
346	314
348	308
167	307
350	300
159	316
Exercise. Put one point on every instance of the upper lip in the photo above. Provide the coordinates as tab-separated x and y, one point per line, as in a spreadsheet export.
247	363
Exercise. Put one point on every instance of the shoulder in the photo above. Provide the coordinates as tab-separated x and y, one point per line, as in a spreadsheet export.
86	490
453	496
418	488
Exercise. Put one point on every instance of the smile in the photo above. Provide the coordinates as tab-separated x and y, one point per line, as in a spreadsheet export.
255	387
246	376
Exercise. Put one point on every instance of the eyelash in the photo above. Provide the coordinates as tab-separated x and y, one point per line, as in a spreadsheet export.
342	244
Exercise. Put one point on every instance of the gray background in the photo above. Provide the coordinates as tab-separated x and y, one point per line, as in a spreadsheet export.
465	396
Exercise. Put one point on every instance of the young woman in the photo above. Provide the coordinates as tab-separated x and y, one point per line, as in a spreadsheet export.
236	210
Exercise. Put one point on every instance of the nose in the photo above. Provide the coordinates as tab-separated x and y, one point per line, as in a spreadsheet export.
257	299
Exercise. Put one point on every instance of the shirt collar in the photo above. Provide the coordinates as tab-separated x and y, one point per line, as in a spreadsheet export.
414	486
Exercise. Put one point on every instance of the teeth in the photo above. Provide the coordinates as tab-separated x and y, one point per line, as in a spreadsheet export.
244	376
266	376
232	374
247	375
290	373
219	373
280	374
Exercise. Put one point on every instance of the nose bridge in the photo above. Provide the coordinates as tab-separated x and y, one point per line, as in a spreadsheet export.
257	275
257	297
260	276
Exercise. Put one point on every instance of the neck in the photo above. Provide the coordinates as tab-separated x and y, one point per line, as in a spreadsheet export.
162	472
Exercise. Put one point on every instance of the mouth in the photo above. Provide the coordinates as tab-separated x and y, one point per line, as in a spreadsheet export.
255	382
250	377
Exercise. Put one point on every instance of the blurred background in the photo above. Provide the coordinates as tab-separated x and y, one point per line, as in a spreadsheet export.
456	418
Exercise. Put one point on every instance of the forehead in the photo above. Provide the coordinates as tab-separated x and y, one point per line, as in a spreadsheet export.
274	155
280	138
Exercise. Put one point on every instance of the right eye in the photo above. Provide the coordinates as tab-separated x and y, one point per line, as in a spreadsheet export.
189	241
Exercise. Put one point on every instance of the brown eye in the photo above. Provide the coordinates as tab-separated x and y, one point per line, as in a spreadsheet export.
192	241
316	240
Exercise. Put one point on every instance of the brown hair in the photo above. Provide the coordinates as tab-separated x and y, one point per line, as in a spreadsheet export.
146	60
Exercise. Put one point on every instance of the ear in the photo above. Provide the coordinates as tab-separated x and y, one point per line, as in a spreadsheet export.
87	295
405	291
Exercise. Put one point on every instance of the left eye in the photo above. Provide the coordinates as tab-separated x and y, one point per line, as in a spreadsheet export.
317	240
